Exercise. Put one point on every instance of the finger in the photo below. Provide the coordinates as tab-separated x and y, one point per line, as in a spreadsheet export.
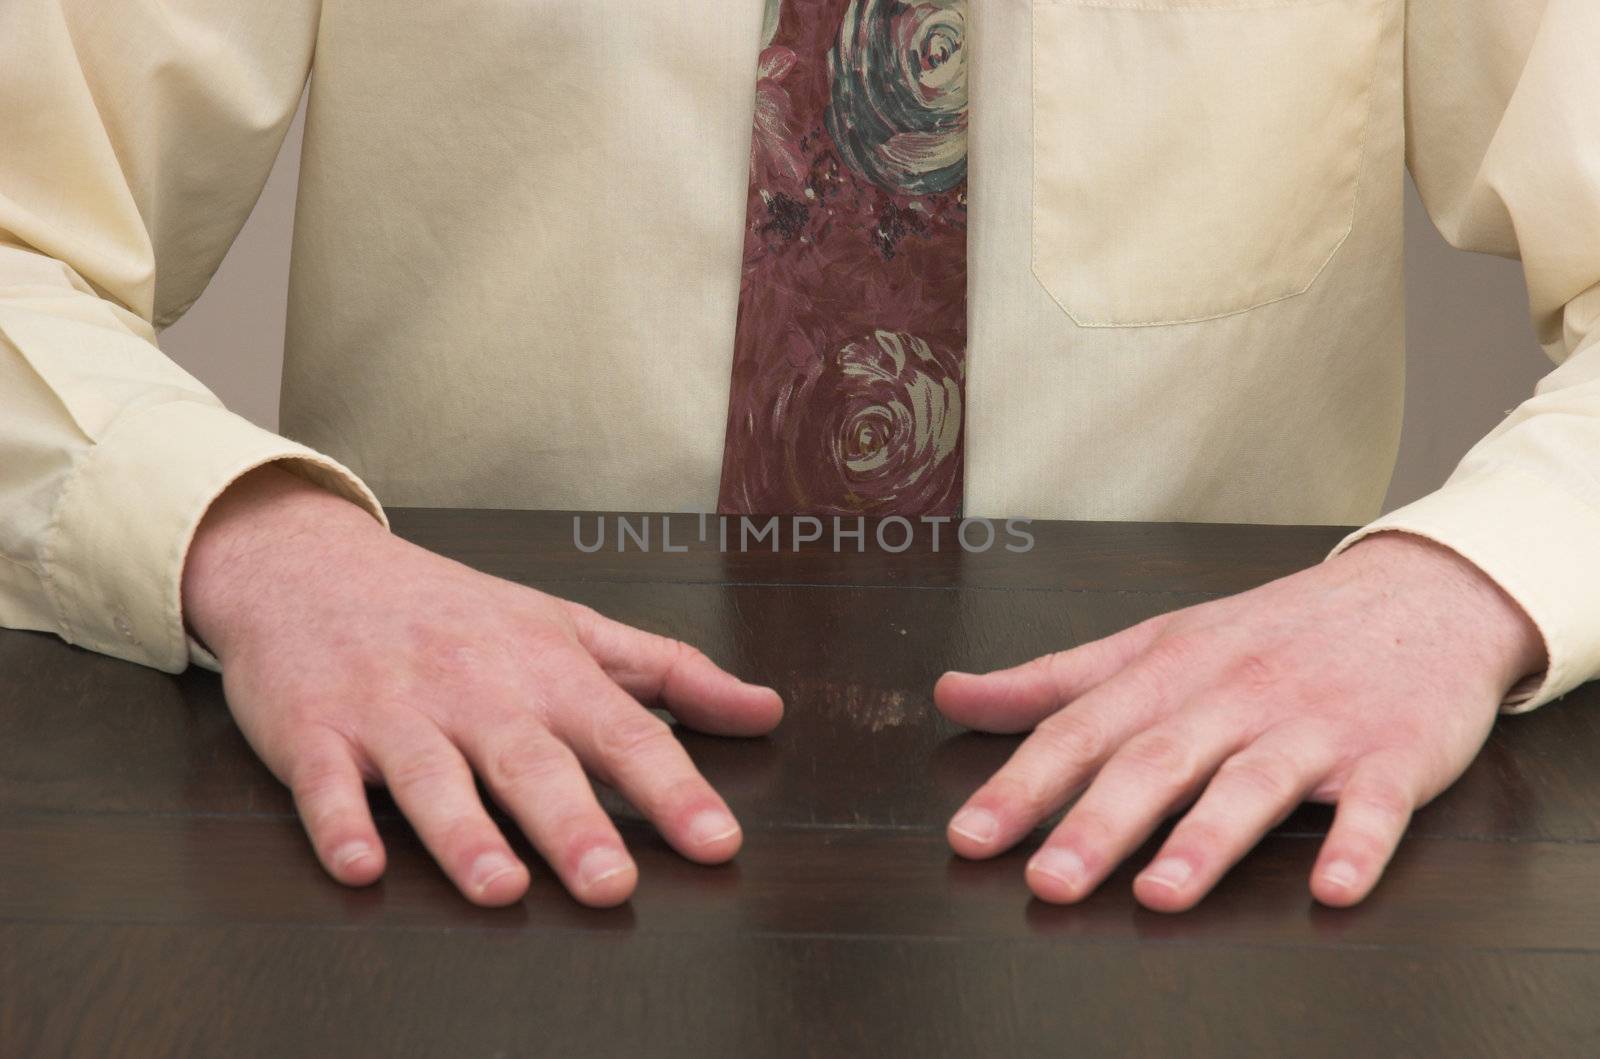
1251	793
1055	762
659	670
1140	786
540	783
332	802
431	783
1016	699
1374	809
635	751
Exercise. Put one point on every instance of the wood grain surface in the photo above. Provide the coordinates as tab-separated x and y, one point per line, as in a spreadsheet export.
157	896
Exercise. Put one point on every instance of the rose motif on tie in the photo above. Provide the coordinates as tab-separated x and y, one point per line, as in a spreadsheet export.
898	111
772	153
877	422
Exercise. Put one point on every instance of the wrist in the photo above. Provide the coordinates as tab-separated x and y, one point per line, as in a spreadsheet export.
264	532
1480	610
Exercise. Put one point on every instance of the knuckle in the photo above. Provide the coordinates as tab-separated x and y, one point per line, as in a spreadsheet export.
675	795
525	764
1087	829
1360	846
1156	624
320	803
1175	653
449	658
319	750
1388	801
581	614
1262	774
317	714
1257	672
1154	681
1202	835
323	819
420	770
462	838
678	658
637	734
536	632
545	637
685	655
1160	754
1051	668
312	778
1071	738
685	790
1042	663
1011	793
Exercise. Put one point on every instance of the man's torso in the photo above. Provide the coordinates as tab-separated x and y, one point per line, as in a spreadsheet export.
518	243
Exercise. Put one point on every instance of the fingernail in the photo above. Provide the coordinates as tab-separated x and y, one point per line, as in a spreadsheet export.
1171	872
980	825
1340	873
1060	864
350	854
489	868
600	864
711	826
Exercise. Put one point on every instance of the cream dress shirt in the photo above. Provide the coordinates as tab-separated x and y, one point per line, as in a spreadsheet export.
517	253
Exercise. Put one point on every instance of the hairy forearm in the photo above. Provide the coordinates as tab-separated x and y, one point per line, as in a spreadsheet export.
1480	612
265	525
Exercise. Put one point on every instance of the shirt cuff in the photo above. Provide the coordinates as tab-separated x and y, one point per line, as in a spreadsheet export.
115	549
1537	542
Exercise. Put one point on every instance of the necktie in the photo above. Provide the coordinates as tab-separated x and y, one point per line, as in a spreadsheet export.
850	345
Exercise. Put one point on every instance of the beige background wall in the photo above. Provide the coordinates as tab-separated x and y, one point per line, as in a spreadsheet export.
1471	353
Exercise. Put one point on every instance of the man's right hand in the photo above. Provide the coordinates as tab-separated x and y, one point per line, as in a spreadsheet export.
351	657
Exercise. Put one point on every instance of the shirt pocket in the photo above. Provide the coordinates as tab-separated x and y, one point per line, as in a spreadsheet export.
1195	158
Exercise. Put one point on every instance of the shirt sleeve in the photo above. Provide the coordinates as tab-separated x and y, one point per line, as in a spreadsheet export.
136	140
1503	124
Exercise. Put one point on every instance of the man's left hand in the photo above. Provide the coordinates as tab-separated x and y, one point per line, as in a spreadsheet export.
1369	681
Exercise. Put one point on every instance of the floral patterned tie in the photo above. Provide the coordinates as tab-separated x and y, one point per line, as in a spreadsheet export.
850	345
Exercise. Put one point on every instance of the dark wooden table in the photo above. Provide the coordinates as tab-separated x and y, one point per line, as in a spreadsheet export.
157	896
